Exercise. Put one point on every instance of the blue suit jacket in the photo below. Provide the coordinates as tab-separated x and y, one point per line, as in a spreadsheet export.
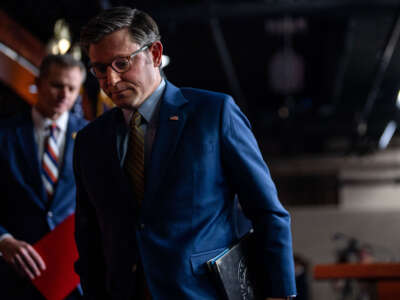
198	162
25	211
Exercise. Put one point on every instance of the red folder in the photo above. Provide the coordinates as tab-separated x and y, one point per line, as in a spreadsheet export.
58	250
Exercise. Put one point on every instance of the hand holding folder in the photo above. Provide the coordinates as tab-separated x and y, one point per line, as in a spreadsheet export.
58	249
236	273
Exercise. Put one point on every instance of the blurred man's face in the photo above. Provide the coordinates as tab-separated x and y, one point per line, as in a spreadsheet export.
131	88
58	90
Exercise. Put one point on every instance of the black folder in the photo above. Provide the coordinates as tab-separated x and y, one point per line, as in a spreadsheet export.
235	271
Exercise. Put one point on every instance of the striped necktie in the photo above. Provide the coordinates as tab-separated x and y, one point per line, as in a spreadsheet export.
134	161
50	162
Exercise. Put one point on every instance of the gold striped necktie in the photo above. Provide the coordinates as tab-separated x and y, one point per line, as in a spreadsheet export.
134	161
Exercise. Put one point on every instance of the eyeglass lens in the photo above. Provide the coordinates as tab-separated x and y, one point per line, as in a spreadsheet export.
120	65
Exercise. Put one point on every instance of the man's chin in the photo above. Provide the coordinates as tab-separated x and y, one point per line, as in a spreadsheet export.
126	103
56	112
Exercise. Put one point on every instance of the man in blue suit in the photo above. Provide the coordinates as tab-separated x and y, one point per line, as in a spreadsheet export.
31	203
156	178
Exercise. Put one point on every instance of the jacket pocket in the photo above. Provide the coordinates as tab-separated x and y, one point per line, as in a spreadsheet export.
198	261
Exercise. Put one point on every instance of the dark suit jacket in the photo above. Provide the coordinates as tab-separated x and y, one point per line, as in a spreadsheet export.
201	157
25	210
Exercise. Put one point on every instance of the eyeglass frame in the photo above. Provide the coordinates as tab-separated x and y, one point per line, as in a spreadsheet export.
129	57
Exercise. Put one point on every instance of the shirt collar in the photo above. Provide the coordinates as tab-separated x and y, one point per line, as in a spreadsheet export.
40	122
148	106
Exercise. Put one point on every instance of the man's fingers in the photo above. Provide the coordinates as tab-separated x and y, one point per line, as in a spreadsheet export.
24	257
14	262
37	258
29	261
23	267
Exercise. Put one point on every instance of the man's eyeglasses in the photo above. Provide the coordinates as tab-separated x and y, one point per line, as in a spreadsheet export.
119	64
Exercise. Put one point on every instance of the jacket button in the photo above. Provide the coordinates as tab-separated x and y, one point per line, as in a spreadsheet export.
134	268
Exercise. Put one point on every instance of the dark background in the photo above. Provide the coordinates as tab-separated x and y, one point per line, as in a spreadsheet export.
309	74
314	77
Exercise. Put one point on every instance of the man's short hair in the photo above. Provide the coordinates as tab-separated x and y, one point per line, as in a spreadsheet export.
65	61
142	27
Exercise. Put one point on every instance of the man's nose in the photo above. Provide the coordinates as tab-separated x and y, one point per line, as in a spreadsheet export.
113	77
63	92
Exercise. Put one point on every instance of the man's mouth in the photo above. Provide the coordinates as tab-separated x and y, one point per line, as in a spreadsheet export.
60	102
118	92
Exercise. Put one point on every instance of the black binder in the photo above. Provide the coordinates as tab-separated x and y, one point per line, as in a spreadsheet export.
236	272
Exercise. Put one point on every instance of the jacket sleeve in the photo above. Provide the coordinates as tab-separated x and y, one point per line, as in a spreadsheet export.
91	265
250	176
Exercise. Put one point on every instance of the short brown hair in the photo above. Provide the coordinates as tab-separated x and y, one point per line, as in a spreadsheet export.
66	61
142	27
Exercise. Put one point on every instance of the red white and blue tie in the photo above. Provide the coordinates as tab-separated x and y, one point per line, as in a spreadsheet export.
50	162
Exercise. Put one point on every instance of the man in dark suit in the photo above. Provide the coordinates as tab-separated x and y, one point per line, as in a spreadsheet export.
36	176
156	177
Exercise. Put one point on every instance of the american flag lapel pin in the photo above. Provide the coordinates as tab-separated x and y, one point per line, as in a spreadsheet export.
174	118
73	135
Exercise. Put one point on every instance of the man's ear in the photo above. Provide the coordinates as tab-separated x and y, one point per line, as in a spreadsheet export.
156	52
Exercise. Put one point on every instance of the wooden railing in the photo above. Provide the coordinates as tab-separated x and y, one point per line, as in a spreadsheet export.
386	276
20	56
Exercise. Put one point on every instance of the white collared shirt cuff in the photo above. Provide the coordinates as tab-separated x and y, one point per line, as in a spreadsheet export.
2	237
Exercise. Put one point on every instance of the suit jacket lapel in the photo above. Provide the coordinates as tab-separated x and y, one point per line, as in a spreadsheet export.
29	150
171	122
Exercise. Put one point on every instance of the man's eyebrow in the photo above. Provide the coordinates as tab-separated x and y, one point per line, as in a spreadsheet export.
116	56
